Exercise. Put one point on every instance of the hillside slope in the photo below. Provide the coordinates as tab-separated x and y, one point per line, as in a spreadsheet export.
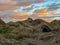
30	32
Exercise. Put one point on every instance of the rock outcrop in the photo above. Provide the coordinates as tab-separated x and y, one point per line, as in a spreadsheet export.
31	32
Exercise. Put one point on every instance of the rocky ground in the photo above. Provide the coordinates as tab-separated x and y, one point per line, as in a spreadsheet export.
30	32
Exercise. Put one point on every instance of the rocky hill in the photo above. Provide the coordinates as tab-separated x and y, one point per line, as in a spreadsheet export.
30	32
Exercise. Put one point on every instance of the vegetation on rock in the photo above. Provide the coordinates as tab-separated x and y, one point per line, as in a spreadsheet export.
30	32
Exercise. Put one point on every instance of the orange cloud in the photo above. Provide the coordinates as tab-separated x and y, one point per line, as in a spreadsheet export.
47	19
40	12
8	2
5	7
43	11
13	2
19	15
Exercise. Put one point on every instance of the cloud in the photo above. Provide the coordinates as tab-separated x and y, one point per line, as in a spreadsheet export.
19	2
7	2
54	6
6	7
31	1
16	8
18	15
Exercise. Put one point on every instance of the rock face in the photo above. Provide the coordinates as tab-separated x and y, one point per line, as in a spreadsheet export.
2	22
31	32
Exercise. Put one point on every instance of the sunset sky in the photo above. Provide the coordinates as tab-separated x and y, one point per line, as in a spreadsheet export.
14	10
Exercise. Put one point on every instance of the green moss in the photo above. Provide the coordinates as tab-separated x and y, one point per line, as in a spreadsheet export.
5	30
1	44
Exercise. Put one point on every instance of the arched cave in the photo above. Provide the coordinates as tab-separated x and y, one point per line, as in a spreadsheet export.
45	28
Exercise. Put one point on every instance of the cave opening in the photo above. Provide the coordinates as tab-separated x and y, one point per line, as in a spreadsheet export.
46	29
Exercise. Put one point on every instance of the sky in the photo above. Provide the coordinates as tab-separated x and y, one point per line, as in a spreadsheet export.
19	10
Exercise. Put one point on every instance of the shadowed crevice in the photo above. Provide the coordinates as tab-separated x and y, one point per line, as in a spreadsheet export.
45	29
